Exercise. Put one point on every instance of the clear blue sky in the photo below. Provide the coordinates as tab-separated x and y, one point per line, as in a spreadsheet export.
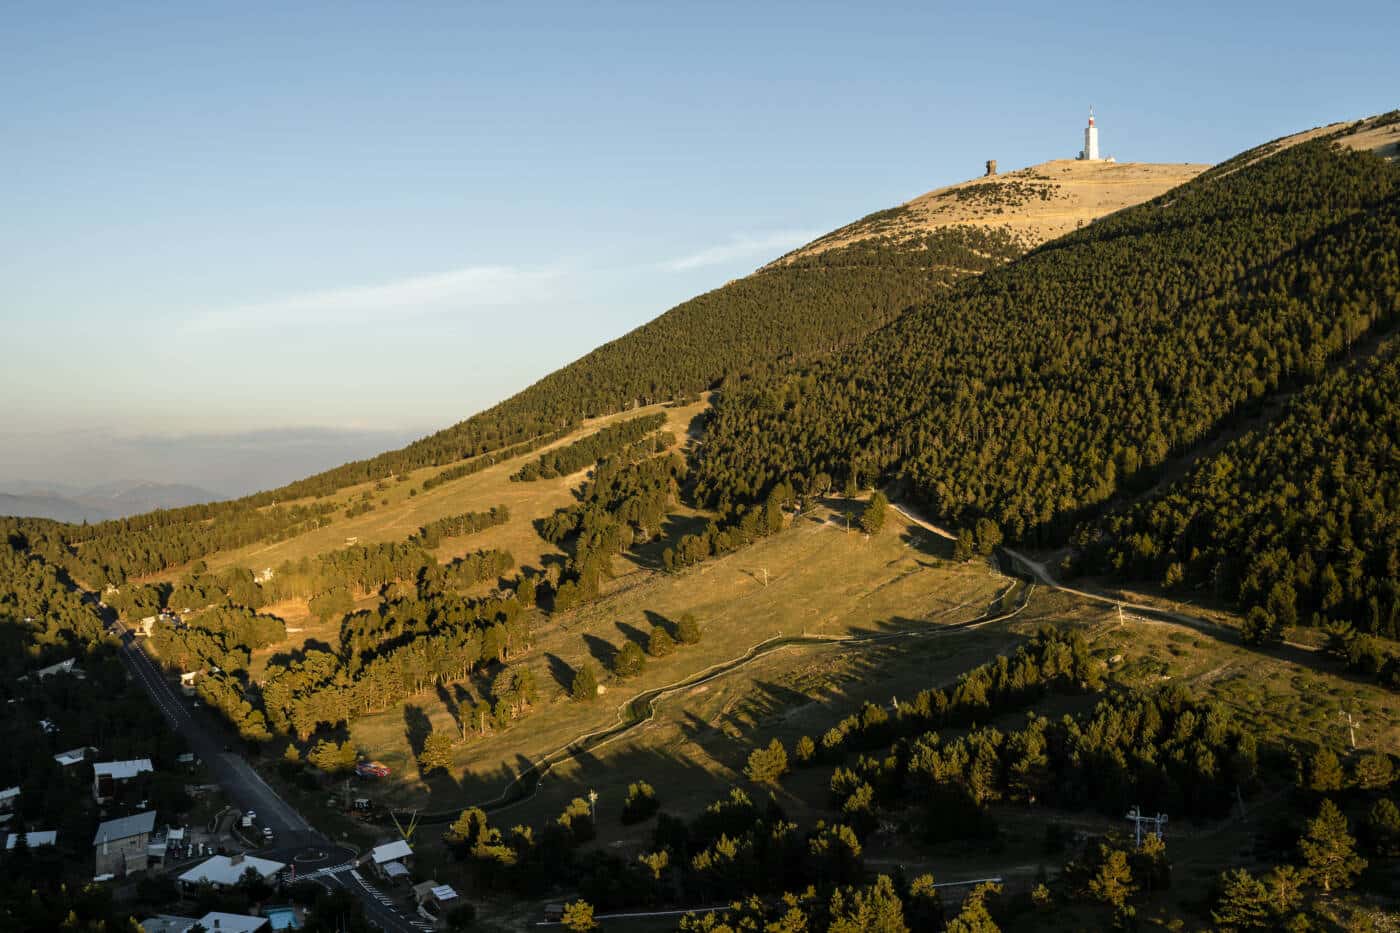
232	216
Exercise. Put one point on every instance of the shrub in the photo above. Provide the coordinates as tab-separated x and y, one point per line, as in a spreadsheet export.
659	643
688	630
641	803
629	661
767	765
585	685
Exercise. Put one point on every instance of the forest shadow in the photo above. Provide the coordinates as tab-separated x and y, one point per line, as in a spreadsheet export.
682	785
298	655
696	428
673	527
928	544
764	699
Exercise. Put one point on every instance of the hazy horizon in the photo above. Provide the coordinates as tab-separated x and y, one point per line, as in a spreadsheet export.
229	464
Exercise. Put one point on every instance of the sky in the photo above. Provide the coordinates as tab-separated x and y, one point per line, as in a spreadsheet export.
372	220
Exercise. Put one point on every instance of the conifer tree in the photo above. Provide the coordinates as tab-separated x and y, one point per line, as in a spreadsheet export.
585	684
1329	851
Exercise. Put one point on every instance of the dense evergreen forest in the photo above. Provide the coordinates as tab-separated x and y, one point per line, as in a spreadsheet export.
1038	392
1296	523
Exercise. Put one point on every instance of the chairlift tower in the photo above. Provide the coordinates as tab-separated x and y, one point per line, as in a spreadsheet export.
1139	819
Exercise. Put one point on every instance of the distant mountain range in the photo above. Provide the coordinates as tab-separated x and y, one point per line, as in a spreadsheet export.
119	499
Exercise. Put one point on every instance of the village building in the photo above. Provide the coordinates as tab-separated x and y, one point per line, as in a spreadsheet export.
435	900
392	860
112	780
33	840
166	923
62	667
216	921
9	797
122	846
73	756
224	871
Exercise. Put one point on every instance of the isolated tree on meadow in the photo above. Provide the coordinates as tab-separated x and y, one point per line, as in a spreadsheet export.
1329	851
629	661
655	862
660	643
767	765
974	916
1374	771
688	629
872	518
965	546
585	684
436	754
640	804
1325	772
578	917
577	818
1243	902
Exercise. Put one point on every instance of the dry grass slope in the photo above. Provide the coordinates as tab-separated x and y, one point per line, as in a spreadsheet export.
1034	204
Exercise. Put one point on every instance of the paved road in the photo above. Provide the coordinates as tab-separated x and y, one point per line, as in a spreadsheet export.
245	787
297	842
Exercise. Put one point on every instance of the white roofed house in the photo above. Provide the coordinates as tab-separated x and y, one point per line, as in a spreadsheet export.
219	922
224	871
8	798
435	900
122	846
32	840
73	756
115	779
62	667
392	860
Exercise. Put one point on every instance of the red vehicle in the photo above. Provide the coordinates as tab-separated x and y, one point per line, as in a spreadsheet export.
371	769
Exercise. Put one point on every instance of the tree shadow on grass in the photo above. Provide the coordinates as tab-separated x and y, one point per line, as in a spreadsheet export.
562	671
649	553
604	652
634	634
450	702
417	727
298	655
669	626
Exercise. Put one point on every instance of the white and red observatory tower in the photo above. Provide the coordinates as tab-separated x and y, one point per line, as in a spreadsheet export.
1090	152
